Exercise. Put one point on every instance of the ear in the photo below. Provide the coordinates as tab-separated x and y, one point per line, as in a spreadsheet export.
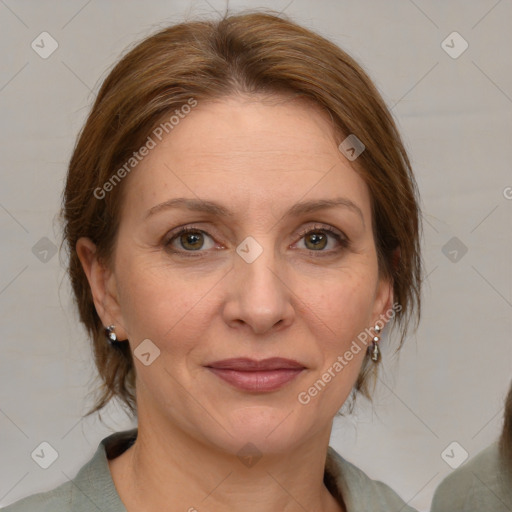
383	301
103	286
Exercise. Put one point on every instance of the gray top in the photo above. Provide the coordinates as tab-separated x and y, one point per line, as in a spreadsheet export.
93	490
480	485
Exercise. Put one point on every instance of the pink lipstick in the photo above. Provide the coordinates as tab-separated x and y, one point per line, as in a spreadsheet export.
257	376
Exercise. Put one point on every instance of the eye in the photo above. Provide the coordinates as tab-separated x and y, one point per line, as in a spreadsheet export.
322	239
190	240
319	239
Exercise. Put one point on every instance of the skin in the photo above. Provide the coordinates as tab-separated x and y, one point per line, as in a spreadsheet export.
257	157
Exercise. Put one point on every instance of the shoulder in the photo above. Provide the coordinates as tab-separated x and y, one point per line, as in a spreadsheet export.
480	484
359	491
91	489
56	500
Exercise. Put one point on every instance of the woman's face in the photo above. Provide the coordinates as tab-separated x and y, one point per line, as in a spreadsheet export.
279	261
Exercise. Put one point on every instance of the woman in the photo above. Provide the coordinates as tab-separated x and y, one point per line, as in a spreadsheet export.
242	222
485	482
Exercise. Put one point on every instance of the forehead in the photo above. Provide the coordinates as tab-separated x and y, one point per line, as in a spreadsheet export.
246	150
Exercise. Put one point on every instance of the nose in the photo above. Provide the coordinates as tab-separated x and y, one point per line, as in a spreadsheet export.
259	296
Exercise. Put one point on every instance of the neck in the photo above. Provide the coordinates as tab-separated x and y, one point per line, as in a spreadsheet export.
168	469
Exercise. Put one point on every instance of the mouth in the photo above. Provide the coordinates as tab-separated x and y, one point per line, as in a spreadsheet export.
257	376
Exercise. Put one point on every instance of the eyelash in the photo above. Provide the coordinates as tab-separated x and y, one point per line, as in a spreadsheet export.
339	237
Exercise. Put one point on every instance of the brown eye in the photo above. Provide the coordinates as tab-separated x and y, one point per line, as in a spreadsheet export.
315	240
189	240
192	240
322	240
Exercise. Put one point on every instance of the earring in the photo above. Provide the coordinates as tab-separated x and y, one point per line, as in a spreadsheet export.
111	336
374	349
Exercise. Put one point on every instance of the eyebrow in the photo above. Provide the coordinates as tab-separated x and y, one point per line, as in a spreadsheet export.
213	208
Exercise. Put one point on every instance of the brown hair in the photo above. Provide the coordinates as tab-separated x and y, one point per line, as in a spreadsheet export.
254	53
505	444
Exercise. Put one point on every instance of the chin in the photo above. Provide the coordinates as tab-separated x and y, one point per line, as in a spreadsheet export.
269	429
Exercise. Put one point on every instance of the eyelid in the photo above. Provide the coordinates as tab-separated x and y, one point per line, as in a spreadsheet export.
341	238
183	229
318	226
174	234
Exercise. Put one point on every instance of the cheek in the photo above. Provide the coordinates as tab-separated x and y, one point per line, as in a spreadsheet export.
339	314
343	305
157	301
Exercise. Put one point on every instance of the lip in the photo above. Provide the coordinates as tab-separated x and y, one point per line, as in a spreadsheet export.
245	364
258	376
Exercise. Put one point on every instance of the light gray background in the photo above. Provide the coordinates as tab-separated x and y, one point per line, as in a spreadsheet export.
455	116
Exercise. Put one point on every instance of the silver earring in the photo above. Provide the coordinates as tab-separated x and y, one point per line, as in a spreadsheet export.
111	336
374	349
